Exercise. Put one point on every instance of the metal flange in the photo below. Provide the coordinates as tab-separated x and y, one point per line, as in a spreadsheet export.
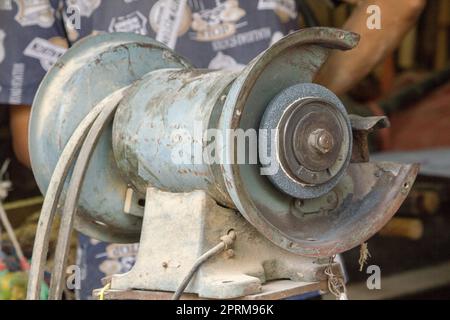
312	144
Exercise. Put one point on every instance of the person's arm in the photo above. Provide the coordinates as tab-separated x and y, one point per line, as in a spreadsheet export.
343	70
18	120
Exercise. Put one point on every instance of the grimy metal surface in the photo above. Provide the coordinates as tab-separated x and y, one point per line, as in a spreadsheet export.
90	71
166	114
195	222
169	100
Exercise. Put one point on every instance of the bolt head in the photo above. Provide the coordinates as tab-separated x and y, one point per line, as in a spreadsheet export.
321	140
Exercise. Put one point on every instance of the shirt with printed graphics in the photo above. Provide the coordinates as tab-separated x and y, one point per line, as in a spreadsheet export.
212	34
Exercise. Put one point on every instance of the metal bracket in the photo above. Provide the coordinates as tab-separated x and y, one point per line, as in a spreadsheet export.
361	128
179	227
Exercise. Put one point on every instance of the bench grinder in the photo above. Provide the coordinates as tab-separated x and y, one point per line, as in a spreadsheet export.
119	115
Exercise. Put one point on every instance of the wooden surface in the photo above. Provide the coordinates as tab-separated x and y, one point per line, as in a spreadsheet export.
274	290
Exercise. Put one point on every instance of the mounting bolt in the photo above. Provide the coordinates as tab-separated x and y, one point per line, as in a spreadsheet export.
321	140
332	199
298	203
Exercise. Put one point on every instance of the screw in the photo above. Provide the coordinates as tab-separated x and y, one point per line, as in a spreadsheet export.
332	198
229	253
298	203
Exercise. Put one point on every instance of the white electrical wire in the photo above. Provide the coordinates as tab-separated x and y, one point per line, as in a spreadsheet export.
55	187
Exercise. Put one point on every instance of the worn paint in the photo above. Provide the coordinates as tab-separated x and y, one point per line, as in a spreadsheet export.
167	94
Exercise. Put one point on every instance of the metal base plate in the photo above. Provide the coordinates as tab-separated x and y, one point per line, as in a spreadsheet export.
179	227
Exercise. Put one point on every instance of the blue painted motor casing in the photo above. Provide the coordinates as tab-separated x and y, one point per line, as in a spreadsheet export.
158	132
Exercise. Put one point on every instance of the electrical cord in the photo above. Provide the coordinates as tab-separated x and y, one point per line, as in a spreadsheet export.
225	242
54	190
40	247
72	196
101	294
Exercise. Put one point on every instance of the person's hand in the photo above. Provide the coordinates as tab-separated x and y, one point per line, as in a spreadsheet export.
344	70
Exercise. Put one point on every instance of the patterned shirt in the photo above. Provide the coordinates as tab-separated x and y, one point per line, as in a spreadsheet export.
210	33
